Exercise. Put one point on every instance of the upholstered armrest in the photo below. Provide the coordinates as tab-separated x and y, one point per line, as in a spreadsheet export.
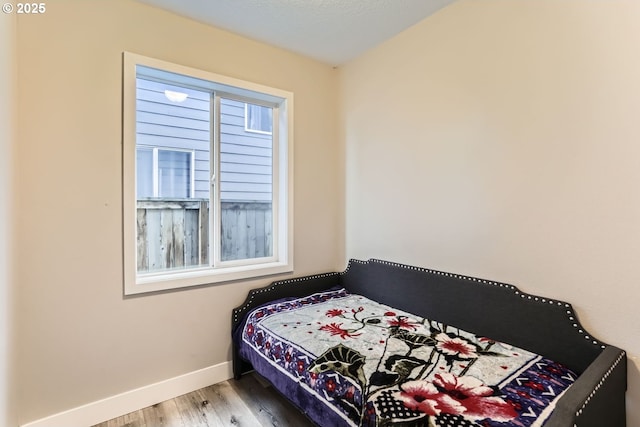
296	287
596	399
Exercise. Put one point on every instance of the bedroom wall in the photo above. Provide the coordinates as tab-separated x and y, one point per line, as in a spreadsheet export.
7	137
499	139
79	339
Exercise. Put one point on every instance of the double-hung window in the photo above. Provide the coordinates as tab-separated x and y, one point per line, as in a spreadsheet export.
207	169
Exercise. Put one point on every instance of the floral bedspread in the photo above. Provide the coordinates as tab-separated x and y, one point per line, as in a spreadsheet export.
373	365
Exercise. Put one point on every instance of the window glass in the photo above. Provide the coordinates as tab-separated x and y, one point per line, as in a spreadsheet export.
174	174
144	181
259	118
246	163
172	128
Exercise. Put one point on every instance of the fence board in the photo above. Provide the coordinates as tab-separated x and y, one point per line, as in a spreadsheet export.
178	237
192	237
203	225
141	244
153	239
251	243
268	231
261	249
166	242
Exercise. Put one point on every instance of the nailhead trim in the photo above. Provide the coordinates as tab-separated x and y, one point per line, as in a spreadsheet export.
238	311
252	293
569	310
351	262
600	383
442	273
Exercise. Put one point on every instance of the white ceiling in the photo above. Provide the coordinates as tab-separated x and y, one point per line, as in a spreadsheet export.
331	31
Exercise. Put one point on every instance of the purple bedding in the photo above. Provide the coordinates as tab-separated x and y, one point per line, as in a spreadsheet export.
345	360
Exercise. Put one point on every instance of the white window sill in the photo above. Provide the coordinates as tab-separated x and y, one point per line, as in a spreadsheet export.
154	282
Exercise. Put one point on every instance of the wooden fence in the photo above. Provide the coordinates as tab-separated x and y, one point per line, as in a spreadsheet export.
246	230
175	233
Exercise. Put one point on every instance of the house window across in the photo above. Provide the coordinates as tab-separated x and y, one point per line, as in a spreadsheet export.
164	173
258	119
207	163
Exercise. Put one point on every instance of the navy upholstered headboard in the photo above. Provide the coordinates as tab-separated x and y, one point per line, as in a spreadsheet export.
496	310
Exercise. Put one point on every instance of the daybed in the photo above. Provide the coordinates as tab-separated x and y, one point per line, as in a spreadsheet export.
450	350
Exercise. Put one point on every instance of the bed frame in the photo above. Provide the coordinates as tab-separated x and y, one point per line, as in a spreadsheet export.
540	325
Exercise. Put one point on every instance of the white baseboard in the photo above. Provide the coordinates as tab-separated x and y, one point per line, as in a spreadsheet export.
129	401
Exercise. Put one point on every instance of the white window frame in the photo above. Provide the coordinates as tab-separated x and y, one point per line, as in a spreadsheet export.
156	171
247	128
281	260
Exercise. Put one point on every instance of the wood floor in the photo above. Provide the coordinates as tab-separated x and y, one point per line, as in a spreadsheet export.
250	402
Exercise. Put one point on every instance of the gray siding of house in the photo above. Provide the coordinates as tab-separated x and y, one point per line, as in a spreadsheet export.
245	157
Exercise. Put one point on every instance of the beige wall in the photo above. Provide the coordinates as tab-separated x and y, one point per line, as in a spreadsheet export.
80	341
500	139
496	139
7	137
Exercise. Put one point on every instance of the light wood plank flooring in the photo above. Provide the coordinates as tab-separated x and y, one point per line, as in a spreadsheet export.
250	402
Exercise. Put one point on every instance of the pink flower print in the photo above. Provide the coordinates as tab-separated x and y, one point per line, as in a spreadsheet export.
455	346
336	329
403	322
334	312
424	397
476	397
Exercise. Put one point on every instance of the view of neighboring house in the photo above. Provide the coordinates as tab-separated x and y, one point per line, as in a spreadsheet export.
174	179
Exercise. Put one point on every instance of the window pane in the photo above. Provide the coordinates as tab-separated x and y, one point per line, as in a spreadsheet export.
173	185
174	174
245	187
144	178
259	118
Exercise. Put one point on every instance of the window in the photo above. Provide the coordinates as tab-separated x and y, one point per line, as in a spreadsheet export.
164	173
258	119
207	169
